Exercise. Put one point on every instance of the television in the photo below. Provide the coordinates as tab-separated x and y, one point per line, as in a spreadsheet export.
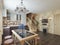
44	20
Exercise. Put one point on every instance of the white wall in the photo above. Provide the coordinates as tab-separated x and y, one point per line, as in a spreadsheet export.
50	17
1	28
4	12
13	17
23	18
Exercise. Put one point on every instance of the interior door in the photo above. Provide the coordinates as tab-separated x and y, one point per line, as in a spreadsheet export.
57	24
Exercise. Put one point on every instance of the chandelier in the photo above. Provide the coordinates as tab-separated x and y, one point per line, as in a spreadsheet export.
22	8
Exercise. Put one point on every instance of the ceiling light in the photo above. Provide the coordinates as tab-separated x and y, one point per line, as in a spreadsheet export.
22	8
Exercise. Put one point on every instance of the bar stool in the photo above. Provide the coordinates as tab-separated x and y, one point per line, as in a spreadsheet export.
8	42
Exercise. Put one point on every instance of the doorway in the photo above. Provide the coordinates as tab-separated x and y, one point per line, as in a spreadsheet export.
57	24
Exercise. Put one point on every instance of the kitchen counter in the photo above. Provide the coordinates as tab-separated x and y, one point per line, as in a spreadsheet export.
9	29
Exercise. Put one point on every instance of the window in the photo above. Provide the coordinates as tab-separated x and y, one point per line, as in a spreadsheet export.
18	17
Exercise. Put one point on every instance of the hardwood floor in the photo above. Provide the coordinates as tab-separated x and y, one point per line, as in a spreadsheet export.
48	39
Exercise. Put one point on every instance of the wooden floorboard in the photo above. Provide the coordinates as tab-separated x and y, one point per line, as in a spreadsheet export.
49	39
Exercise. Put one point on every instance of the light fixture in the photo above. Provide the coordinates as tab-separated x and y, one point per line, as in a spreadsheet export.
22	8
